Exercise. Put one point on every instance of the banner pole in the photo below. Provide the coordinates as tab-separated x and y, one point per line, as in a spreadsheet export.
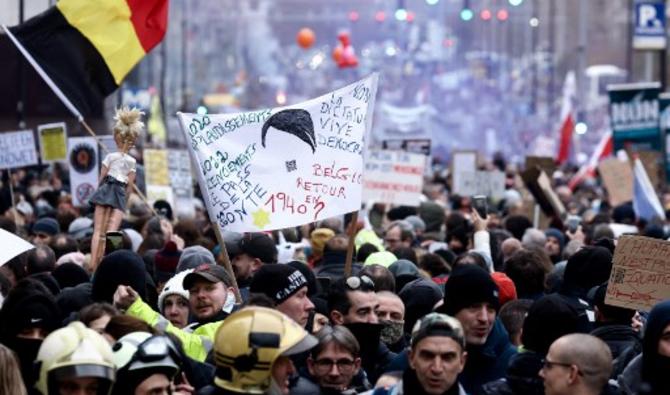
350	247
223	256
11	196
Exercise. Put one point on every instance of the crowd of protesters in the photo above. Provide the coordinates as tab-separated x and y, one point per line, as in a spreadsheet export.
440	300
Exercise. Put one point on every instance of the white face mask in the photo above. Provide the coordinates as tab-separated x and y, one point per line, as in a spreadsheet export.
230	302
274	389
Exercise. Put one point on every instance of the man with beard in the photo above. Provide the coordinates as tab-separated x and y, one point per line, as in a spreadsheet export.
333	366
210	296
352	302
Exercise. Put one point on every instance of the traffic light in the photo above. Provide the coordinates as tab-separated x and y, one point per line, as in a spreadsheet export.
502	15
485	14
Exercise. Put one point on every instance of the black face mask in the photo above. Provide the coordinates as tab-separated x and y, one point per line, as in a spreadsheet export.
26	352
369	337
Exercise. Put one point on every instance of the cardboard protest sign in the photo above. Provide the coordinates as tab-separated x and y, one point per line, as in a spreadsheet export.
640	275
287	166
618	179
181	182
539	186
546	163
489	183
53	144
82	154
17	149
156	176
12	245
394	177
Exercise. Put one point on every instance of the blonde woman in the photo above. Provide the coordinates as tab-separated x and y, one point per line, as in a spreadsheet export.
116	180
10	375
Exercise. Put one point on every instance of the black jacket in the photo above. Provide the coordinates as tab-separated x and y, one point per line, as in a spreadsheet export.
332	266
521	378
624	343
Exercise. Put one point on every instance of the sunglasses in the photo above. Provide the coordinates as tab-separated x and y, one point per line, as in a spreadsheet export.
363	283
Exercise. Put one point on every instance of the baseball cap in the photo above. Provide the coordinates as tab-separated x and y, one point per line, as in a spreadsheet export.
207	272
258	245
437	324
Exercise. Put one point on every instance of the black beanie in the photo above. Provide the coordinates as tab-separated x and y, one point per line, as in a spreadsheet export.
587	268
28	305
468	285
121	267
48	281
313	287
70	274
277	281
419	297
549	318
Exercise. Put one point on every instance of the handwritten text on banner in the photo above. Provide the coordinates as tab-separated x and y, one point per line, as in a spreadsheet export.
282	167
640	275
394	177
17	149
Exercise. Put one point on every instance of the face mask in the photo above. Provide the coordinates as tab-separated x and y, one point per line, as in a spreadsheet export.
230	303
26	351
392	331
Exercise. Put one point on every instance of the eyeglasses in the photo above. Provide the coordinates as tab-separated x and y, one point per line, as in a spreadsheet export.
364	283
548	365
344	365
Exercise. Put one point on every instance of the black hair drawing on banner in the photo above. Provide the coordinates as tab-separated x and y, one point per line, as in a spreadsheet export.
297	122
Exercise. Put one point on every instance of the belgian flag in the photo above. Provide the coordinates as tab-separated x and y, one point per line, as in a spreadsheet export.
87	47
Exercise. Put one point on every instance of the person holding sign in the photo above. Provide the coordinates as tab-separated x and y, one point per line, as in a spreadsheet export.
117	177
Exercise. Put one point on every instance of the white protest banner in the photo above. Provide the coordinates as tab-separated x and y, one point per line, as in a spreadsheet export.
394	177
17	149
83	159
12	245
489	183
462	162
53	144
640	275
181	181
283	167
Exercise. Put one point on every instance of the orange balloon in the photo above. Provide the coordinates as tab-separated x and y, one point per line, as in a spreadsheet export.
337	53
306	37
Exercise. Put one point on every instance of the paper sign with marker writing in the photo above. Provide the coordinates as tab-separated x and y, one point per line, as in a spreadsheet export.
618	179
17	149
394	177
640	275
53	145
287	166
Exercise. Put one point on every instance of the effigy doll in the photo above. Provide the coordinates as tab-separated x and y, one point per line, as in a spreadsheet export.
116	180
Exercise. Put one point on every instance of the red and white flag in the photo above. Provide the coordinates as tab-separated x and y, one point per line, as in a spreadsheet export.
567	117
604	149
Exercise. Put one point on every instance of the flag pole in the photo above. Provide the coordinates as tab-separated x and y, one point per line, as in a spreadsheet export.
44	75
66	102
350	247
223	256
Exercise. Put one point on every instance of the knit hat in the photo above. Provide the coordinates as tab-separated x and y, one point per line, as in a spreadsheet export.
432	215
194	256
436	324
417	223
313	286
419	298
70	274
207	272
135	238
506	287
588	267
468	285
46	225
166	260
279	282
48	281
404	271
80	228
383	258
27	306
121	267
558	235
318	240
258	245
72	257
548	318
174	286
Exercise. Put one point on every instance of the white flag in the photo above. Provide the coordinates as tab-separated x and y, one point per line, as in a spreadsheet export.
283	167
